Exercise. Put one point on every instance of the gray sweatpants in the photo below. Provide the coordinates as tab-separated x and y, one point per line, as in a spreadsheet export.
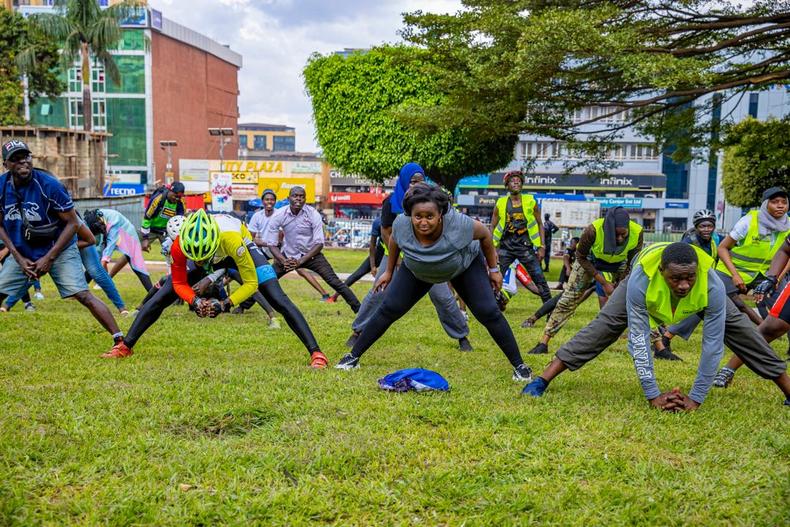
740	335
450	315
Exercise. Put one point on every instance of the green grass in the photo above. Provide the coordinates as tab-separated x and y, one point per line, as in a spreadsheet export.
221	422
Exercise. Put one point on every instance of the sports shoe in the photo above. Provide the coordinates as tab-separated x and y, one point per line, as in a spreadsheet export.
238	310
119	351
3	309
348	362
30	307
124	313
464	344
665	354
501	300
318	360
38	295
325	298
96	287
273	323
536	388
528	323
522	373
352	340
539	349
724	377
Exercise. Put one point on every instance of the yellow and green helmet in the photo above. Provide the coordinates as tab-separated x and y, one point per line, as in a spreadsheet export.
199	236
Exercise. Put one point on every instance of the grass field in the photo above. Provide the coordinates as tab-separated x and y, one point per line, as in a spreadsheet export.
221	422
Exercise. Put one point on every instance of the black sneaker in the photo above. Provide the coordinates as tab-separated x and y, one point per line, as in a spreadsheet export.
724	377
352	340
665	354
464	344
238	311
522	373
540	349
348	362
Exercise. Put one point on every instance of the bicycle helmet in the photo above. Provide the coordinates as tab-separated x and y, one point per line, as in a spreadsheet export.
704	215
174	226
199	236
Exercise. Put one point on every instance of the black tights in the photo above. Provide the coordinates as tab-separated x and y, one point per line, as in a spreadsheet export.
474	288
271	290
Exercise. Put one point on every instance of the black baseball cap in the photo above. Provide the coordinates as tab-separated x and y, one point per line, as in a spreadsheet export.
773	192
177	187
269	191
12	147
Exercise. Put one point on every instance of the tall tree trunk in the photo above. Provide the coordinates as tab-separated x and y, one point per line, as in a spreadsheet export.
87	104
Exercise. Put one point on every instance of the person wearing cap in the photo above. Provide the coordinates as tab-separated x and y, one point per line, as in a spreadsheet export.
702	235
745	254
604	254
38	225
518	231
777	321
166	202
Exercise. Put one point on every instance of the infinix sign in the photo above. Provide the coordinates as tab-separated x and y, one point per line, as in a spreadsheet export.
582	181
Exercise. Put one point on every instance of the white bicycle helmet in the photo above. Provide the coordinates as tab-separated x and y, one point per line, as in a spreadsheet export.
704	215
174	226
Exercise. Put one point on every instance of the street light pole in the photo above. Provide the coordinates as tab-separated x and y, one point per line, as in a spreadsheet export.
225	135
167	146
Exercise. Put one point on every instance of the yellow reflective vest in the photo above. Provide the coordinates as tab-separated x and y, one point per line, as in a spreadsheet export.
528	205
752	255
597	248
658	298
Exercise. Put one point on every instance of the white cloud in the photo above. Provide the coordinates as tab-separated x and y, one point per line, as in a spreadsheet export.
276	37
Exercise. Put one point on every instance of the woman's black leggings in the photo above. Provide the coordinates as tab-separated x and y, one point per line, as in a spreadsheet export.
472	286
271	291
364	267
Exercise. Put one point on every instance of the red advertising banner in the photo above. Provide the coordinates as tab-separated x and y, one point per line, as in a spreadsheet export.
356	198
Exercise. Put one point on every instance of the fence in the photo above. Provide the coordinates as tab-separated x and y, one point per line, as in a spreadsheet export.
131	207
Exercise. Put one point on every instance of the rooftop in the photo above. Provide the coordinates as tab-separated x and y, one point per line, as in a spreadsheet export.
266	127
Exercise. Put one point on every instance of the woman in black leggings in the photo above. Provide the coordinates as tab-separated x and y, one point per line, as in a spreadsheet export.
439	244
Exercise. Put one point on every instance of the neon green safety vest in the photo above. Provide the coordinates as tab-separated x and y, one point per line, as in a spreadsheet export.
597	249
659	297
752	255
528	205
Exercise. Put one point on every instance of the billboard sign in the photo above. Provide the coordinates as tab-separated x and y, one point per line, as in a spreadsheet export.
221	192
282	186
115	190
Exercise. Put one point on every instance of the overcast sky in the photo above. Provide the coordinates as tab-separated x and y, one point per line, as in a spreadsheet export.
276	37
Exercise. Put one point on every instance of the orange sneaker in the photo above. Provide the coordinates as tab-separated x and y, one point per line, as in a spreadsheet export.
119	351
317	360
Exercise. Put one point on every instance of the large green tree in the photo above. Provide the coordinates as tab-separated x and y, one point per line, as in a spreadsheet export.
756	157
42	76
356	100
86	31
509	66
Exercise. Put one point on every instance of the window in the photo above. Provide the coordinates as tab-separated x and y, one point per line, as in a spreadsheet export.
75	113
259	142
284	143
132	71
97	79
243	141
75	79
754	104
126	121
99	115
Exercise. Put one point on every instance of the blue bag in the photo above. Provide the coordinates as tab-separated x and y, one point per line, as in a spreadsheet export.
417	379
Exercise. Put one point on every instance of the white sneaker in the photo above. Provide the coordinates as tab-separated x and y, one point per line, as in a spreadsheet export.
124	313
96	287
30	307
274	323
39	295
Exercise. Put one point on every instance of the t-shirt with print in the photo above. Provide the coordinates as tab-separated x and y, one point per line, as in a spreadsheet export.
449	256
515	235
42	199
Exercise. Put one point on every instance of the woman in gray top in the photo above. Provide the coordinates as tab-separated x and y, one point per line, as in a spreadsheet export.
439	244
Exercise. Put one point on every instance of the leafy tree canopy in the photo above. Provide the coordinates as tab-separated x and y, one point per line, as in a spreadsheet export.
509	66
15	38
356	101
755	158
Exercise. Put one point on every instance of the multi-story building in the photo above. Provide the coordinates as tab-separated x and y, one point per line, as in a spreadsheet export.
257	138
697	185
636	183
175	84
